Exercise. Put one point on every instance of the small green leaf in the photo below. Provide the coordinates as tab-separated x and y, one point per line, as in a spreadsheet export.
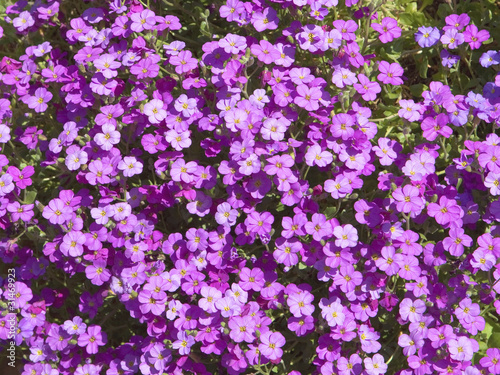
30	197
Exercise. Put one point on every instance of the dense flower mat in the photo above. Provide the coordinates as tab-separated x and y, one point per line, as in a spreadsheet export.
258	187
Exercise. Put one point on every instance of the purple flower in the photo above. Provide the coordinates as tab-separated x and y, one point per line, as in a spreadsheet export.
130	166
347	236
390	73
38	102
265	20
145	20
107	65
265	52
427	36
367	88
412	310
388	29
308	98
97	272
270	345
57	212
23	21
409	110
461	349
183	62
491	361
375	365
452	38
92	339
183	343
155	112
242	328
300	304
445	211
316	156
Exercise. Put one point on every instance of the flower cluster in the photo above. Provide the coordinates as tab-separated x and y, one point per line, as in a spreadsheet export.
177	205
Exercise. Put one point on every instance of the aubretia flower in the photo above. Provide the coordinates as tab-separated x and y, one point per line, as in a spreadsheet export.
145	20
308	98
452	38
265	52
390	73
265	20
130	166
375	365
259	222
461	349
367	88
388	29
343	77
475	37
92	339
445	211
183	62
347	236
183	343
412	310
409	110
270	345
23	21
38	102
107	65
491	361
315	156
57	212
155	112
408	199
427	36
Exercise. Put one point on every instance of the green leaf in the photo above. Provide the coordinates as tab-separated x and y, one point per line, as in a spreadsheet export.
30	197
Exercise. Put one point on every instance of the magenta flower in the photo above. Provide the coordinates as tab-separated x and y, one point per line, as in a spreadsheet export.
366	88
265	52
130	166
97	272
492	360
57	212
318	227
347	236
183	343
412	310
265	20
155	112
445	211
388	29
183	62
308	98
316	156
390	73
145	20
270	345
460	349
242	328
38	102
300	303
375	365
408	199
107	65
259	222
475	37
92	339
